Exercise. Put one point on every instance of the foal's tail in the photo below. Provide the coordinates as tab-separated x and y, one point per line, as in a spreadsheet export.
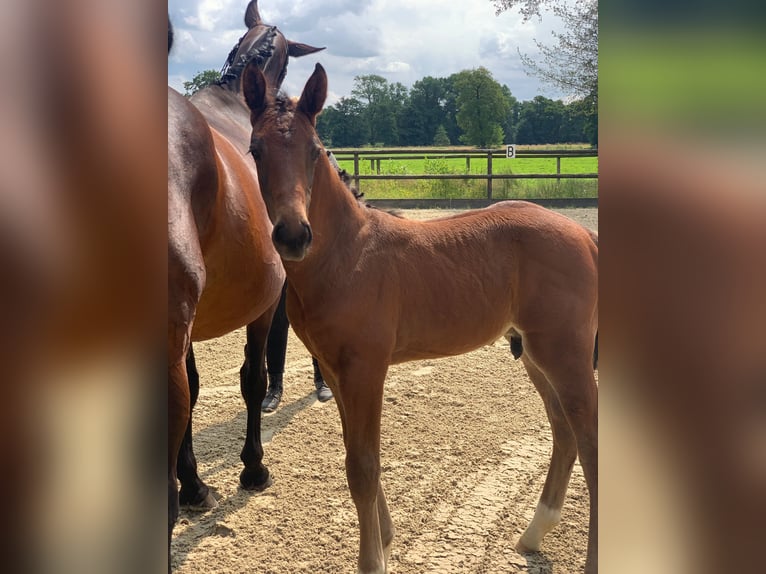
594	239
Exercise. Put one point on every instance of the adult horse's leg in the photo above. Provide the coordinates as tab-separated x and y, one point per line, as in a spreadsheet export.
360	387
548	512
571	376
194	492
179	411
252	377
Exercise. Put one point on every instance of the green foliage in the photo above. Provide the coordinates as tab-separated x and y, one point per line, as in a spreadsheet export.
469	107
482	105
441	138
201	80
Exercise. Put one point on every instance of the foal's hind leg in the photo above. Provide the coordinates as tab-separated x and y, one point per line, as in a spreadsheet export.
566	359
252	376
548	512
194	492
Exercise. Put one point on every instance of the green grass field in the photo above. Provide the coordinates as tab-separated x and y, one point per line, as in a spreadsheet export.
477	189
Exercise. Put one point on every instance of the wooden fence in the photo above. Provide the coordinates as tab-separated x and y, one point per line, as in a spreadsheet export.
375	156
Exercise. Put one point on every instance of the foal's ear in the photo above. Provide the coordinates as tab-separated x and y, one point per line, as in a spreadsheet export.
254	88
314	94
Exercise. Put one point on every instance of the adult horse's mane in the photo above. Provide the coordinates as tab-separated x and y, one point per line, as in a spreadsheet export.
260	52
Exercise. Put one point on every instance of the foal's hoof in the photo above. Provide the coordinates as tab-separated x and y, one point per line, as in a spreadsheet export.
523	547
255	479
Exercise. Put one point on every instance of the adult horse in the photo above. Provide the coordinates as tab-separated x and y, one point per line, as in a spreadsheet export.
367	289
223	272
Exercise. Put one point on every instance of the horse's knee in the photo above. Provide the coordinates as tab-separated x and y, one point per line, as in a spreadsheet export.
363	474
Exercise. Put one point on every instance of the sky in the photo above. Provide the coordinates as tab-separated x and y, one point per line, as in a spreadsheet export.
401	40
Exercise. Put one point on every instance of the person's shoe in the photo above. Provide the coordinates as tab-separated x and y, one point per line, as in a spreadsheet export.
273	394
324	393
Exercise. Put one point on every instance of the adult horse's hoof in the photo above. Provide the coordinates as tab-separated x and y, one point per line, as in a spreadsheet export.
255	479
207	503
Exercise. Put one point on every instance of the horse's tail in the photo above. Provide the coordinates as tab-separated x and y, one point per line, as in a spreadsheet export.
170	34
252	16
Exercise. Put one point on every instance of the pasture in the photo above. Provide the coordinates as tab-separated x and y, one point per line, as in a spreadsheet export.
465	447
476	188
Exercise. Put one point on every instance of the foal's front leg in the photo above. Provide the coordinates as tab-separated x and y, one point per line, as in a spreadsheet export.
361	392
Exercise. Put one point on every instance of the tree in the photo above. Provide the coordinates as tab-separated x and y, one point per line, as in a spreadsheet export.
511	120
425	111
201	80
540	121
344	124
441	138
572	63
482	105
381	103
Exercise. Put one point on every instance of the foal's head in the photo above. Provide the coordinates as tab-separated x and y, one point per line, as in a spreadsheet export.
286	147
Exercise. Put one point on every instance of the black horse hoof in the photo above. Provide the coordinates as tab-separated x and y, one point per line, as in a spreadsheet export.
199	498
255	479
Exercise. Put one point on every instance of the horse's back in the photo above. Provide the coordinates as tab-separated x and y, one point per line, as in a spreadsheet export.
462	281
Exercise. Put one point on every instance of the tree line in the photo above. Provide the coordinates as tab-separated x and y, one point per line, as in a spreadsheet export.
467	108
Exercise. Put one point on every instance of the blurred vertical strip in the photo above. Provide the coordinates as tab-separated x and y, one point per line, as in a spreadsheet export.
82	285
683	287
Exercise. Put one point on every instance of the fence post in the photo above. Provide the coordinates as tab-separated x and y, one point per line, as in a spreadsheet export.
558	170
468	164
377	166
489	174
356	171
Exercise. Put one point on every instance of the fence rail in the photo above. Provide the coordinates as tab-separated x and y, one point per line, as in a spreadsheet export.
375	156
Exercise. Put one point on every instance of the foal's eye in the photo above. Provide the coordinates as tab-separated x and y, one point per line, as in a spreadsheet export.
255	154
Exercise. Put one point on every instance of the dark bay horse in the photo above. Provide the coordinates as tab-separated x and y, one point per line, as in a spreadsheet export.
367	290
223	271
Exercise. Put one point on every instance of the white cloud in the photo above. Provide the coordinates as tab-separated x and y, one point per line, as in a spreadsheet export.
396	67
402	40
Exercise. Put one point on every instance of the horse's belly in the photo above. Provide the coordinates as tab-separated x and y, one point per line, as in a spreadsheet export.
436	339
232	300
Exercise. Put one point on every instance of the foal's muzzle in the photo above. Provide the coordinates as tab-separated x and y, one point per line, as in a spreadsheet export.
292	241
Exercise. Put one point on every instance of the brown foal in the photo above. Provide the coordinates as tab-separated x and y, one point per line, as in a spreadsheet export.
368	289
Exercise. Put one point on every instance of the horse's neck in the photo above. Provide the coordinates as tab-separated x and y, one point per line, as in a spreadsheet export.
337	220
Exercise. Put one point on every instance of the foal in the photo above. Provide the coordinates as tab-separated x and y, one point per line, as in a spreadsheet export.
367	290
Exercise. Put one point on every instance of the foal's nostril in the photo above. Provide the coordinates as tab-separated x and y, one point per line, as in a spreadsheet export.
309	236
296	237
279	232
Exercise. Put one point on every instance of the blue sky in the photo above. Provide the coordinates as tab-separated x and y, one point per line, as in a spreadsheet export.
401	40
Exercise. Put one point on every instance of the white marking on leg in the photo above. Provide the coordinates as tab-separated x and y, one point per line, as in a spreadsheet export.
542	523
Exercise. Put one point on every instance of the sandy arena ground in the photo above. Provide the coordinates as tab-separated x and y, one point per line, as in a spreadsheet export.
465	448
